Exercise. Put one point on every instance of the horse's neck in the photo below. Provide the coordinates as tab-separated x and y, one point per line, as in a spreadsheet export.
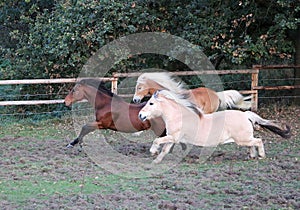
185	125
165	86
176	115
91	94
155	85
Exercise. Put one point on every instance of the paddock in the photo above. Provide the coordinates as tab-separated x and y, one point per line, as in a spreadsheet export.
38	172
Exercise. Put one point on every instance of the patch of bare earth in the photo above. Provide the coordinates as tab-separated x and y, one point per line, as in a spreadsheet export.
227	180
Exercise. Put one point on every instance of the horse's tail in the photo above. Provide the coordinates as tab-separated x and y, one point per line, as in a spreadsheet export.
269	124
232	99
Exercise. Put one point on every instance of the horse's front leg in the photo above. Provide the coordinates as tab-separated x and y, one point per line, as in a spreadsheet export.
156	144
165	150
158	141
86	129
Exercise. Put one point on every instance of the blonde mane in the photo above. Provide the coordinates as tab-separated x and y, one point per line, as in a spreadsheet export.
164	80
182	99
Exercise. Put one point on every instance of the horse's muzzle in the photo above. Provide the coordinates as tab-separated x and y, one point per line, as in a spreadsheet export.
68	103
136	100
142	117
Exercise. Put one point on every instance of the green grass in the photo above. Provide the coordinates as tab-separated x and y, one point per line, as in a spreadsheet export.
18	191
213	183
41	129
21	190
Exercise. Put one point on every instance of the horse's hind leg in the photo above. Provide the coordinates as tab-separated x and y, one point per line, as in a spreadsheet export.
253	152
183	147
256	142
261	149
86	129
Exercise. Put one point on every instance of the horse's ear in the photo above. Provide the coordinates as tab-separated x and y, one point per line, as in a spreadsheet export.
155	95
82	82
142	78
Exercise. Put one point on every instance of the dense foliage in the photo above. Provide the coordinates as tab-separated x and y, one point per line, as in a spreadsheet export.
54	38
45	39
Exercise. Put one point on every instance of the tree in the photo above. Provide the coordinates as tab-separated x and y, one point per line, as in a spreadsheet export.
54	38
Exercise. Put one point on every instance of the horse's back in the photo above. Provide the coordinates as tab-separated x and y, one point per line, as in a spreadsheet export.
224	125
206	99
238	124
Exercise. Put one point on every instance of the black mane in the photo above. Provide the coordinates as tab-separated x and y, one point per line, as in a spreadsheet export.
98	84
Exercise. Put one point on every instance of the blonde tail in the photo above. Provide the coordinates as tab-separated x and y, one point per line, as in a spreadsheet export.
232	99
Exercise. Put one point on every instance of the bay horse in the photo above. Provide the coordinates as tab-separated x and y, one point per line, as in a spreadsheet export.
186	123
205	98
111	111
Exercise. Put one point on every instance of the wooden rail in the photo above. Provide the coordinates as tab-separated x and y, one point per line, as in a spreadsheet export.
114	83
187	73
48	81
266	67
31	102
284	87
36	81
43	81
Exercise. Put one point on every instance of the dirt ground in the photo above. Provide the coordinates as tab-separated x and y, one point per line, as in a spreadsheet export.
42	174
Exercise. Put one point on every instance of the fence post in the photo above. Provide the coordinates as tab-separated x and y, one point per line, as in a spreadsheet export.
114	85
254	83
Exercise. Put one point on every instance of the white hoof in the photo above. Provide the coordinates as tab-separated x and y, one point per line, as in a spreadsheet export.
156	161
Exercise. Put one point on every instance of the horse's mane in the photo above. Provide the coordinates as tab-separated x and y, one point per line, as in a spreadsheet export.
98	84
182	99
164	80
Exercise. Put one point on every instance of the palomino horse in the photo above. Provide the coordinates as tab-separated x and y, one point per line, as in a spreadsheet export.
186	123
206	99
111	111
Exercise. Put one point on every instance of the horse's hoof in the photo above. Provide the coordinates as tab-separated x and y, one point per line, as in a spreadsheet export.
183	146
80	148
249	157
155	161
69	146
154	153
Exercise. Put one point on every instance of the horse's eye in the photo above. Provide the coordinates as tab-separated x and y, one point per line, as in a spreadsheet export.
151	103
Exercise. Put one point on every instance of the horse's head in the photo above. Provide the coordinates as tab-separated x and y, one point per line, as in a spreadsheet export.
152	109
76	94
148	83
142	90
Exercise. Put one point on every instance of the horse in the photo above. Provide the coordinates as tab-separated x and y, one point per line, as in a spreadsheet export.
205	98
111	111
186	123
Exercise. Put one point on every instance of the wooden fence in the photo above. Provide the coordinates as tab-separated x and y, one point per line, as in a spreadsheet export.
253	72
114	83
42	81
